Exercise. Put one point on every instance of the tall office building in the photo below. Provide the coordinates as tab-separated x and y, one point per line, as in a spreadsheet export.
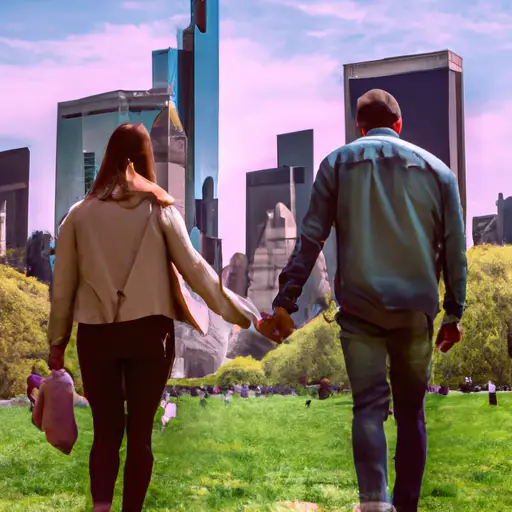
504	207
296	149
264	190
429	89
84	127
14	189
191	74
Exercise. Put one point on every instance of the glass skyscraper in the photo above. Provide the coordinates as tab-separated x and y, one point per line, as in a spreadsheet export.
181	112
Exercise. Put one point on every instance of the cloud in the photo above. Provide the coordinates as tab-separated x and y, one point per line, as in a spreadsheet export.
139	6
345	10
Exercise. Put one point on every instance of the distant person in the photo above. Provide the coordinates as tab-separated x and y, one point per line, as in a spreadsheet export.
202	398
227	396
324	390
244	391
398	218
493	399
113	275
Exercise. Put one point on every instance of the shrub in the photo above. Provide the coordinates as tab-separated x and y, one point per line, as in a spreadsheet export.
309	354
241	370
483	351
209	380
24	310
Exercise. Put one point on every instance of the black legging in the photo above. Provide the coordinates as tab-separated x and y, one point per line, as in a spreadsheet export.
144	350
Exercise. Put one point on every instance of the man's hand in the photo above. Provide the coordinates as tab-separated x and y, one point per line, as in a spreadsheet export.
56	358
276	327
449	334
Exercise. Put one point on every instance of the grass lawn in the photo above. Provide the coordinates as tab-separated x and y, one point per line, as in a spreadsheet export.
258	452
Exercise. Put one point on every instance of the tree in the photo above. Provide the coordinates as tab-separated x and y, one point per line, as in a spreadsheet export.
24	310
313	351
483	351
241	370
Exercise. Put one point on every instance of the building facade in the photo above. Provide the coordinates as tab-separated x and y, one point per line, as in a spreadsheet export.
296	149
264	190
429	89
495	229
84	127
14	191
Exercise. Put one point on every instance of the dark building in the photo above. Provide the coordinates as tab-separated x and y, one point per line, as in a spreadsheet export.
429	89
505	218
296	149
264	190
38	256
495	229
14	189
485	230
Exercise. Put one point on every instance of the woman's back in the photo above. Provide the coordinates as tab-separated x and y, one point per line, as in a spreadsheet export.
119	247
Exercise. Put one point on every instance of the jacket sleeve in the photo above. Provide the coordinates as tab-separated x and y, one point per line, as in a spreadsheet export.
65	284
200	276
315	229
455	265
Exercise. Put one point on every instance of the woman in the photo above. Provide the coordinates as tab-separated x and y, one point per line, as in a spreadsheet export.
115	274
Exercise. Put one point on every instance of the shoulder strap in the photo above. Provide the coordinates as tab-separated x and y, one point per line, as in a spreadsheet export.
120	293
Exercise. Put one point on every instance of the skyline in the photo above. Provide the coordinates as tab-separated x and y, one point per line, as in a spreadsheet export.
281	67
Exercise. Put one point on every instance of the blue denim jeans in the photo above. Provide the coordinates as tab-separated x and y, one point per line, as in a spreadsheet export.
366	348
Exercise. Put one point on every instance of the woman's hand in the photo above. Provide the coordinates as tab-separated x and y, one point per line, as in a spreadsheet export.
56	358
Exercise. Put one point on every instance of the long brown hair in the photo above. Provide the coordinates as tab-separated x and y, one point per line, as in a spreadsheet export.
130	143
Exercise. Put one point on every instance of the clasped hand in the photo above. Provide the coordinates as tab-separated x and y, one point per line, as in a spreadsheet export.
276	327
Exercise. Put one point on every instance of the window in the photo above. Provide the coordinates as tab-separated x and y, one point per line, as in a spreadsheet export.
89	170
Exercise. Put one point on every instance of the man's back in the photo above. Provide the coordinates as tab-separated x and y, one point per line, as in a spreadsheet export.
390	219
398	218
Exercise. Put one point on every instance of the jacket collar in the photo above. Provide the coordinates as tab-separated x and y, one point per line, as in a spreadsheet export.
382	131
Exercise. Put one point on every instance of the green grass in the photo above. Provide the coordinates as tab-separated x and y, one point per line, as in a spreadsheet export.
258	452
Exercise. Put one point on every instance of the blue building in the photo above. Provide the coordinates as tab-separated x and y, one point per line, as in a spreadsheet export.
181	111
190	73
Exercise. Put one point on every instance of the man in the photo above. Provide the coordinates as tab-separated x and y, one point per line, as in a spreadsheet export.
399	224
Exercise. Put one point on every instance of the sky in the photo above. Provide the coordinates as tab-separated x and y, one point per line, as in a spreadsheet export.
281	66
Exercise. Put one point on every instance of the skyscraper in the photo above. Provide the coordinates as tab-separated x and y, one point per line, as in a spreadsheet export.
198	98
296	149
84	127
264	190
14	189
429	89
504	207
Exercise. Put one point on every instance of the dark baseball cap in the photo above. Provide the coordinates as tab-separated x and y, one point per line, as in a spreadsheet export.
377	108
